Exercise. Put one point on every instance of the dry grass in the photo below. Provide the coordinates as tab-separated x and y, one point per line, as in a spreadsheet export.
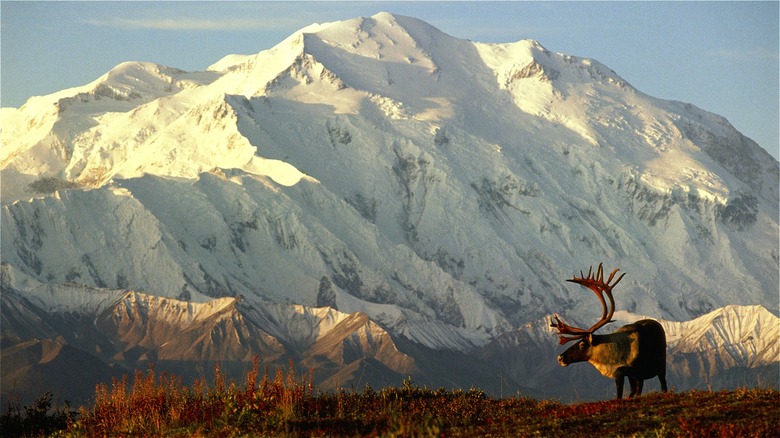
289	405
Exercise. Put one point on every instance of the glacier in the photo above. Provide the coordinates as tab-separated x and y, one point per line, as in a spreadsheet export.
379	168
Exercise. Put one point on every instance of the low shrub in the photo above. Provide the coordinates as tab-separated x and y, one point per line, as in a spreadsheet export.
39	418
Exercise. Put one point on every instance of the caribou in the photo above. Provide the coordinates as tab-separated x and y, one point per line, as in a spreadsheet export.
636	351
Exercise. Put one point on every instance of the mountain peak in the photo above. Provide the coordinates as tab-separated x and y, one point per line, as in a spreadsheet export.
535	44
384	36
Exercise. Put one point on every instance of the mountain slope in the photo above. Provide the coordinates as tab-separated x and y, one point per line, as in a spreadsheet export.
731	338
131	330
727	348
377	166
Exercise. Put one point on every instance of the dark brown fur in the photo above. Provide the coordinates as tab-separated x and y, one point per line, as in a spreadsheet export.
636	351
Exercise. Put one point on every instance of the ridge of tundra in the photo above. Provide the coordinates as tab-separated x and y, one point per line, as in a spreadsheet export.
430	193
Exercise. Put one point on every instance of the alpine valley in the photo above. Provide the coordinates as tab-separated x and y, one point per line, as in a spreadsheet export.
374	199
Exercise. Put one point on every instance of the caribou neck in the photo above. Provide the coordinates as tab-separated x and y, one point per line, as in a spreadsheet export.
612	351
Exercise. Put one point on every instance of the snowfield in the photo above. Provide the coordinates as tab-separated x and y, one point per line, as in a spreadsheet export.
435	192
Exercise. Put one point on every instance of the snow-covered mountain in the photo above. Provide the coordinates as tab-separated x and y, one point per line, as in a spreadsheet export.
432	192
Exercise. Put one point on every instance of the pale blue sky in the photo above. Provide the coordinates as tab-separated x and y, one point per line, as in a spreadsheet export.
720	56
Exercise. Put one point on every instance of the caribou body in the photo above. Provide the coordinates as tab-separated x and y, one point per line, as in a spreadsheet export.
635	351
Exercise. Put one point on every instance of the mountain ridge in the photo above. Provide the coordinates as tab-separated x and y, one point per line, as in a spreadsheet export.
138	330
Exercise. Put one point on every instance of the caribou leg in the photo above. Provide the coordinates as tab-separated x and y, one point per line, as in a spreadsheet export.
662	379
636	387
619	374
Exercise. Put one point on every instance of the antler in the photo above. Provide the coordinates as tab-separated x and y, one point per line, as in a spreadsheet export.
599	287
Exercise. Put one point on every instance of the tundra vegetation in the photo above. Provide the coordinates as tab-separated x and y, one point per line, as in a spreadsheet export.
288	405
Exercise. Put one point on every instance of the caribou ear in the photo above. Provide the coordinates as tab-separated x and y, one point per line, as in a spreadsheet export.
592	339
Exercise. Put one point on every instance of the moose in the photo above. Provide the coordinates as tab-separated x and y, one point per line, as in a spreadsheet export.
636	351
